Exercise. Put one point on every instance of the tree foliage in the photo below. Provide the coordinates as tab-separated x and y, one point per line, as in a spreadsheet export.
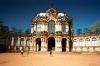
95	27
79	31
27	31
14	29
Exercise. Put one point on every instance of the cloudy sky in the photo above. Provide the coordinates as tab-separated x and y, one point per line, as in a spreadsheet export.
18	13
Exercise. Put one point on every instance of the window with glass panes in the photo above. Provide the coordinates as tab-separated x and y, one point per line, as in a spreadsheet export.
39	26
63	26
51	26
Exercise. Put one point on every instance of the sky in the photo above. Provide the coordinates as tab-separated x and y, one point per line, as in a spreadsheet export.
18	13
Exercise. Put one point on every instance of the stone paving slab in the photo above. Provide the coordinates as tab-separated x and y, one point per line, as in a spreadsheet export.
44	59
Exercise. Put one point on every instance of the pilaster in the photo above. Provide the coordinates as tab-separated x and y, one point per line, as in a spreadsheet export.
34	44
12	42
19	41
34	26
24	41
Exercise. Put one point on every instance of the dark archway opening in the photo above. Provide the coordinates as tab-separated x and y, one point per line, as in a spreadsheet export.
38	44
63	44
51	43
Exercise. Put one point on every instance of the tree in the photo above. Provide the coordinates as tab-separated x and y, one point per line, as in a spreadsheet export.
5	29
86	30
14	29
79	31
95	26
27	31
89	31
20	31
97	30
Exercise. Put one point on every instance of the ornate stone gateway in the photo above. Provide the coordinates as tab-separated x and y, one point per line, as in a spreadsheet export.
53	28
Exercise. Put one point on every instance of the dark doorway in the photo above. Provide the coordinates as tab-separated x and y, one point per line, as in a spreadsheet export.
51	43
63	44
38	42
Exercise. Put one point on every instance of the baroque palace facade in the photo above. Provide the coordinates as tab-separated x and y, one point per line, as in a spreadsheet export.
51	30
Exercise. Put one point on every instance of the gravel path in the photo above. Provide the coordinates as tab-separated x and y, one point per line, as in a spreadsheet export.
44	59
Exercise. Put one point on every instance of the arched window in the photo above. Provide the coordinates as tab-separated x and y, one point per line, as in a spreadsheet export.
22	42
28	42
15	41
9	41
87	42
63	26
75	42
51	26
39	26
94	42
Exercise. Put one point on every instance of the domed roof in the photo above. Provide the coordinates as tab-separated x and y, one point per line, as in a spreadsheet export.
95	26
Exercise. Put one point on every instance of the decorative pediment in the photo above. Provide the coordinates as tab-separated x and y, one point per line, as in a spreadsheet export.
51	12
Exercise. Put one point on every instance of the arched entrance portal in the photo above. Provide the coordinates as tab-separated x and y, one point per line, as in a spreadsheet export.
38	44
63	44
51	43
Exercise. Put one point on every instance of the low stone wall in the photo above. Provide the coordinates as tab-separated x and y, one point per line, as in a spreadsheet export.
86	49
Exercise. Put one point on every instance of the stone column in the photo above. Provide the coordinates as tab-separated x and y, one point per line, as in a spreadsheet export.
90	46
59	44
46	27
60	26
12	42
67	46
84	42
56	44
90	42
84	47
78	43
34	42
55	26
45	44
78	47
24	42
34	26
19	41
31	45
42	29
67	28
31	42
42	46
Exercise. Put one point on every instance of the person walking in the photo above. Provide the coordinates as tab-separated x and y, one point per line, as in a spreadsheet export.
51	53
22	52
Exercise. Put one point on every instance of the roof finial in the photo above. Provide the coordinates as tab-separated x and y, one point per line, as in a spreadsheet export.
51	5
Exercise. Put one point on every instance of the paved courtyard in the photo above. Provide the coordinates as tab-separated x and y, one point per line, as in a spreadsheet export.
44	59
